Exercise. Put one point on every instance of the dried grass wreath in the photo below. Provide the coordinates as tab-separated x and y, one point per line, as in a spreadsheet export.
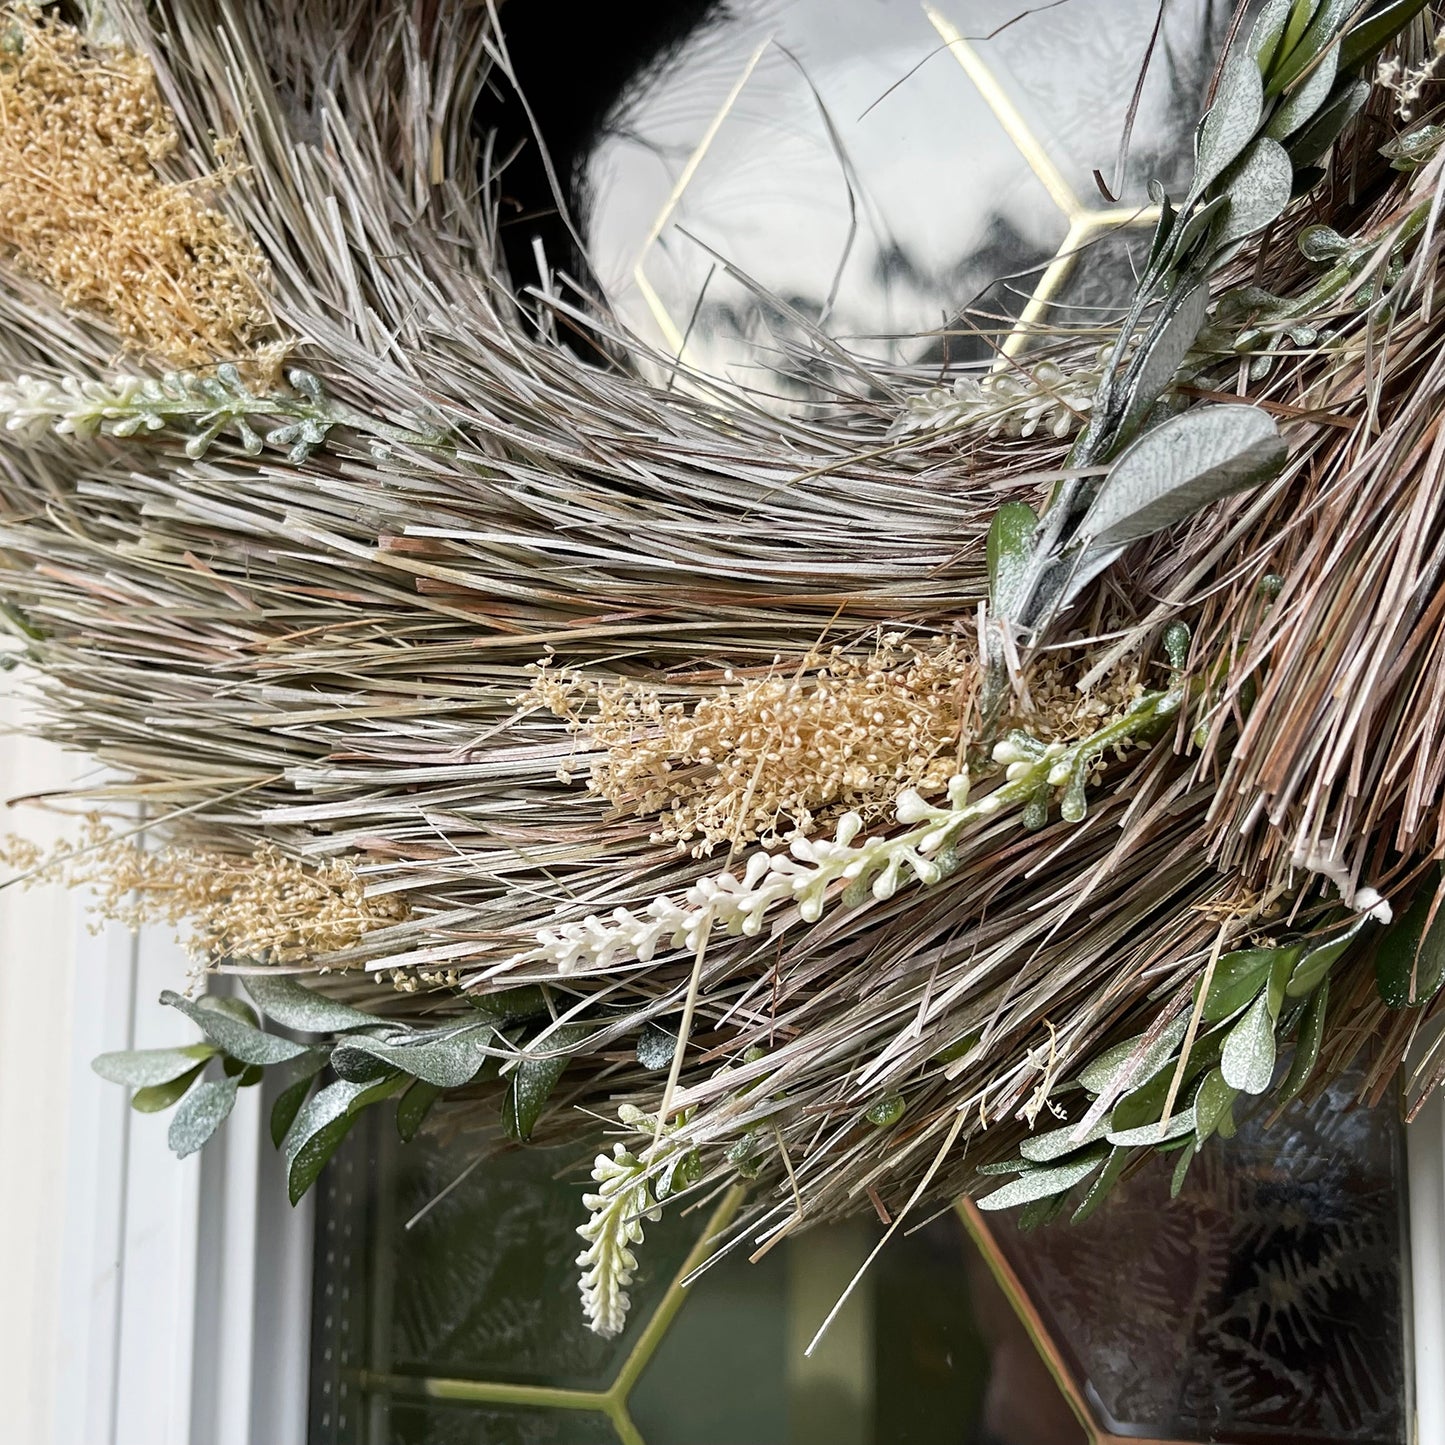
945	782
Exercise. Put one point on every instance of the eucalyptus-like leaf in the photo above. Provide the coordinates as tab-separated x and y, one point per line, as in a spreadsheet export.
448	1057
143	1068
200	1114
1247	1061
1232	122
1098	1075
1211	1105
1258	188
1194	227
1161	353
1181	466
1238	977
413	1107
235	1037
1306	98
236	1008
535	1076
1269	27
1311	144
1317	961
155	1097
294	1006
1044	1183
1010	537
1056	1143
1307	1045
1367	39
1180	1123
1322	32
655	1046
290	1099
316	1134
1102	1186
1411	959
1181	1168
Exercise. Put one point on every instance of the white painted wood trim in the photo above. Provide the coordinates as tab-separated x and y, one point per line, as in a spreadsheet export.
1425	1153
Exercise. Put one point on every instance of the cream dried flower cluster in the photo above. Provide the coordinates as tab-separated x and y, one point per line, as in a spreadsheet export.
811	870
764	756
173	276
258	906
1045	399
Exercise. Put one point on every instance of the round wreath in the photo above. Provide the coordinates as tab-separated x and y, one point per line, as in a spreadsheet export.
985	779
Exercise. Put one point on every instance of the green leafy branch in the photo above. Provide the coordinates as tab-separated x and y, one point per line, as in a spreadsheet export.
1284	95
369	1060
199	407
1170	1090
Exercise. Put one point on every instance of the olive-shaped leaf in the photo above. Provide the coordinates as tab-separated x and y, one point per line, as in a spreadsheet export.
448	1057
1103	1186
1180	1123
316	1133
1097	1075
1367	39
1322	32
534	1077
289	1101
1211	1104
1043	1183
1010	536
1307	1044
1238	977
1411	960
201	1114
1232	121
237	1038
1306	98
413	1107
1181	1168
1258	187
1316	961
1247	1061
1324	130
156	1097
1056	1143
142	1068
294	1006
511	1005
1160	355
1181	466
1269	28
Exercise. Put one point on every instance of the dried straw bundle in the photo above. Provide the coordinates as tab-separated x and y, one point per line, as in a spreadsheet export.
304	621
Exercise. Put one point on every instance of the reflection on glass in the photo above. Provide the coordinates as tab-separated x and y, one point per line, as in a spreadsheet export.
1266	1304
876	166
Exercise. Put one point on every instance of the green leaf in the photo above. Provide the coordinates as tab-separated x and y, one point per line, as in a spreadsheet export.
237	1008
1010	536
1362	44
1181	1122
290	1099
1181	1168
511	1005
1268	31
1279	975
1307	1045
1321	34
155	1097
1306	98
1210	1105
1258	187
1247	1061
200	1115
245	1074
1103	1186
1180	466
1160	355
1411	960
413	1107
1238	976
1056	1143
655	1047
307	1010
447	1057
1232	122
1099	1074
1042	1183
1007	1166
532	1080
1318	960
316	1134
886	1112
236	1038
1322	132
1200	218
142	1068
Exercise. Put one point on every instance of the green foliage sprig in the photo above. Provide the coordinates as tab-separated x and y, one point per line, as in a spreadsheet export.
369	1059
1285	93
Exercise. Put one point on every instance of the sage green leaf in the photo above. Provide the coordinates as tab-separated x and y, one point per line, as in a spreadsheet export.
1268	31
1010	536
1162	243
1007	1166
448	1057
1258	187
142	1068
290	1099
237	1008
1210	1104
1247	1061
1367	39
1279	975
1103	1186
532	1080
379	1089
1316	962
655	1047
236	1038
200	1114
511	1005
294	1006
1194	225
1043	1183
1181	1168
886	1112
155	1097
1301	13
1226	1126
1181	466
1056	1143
1039	1213
1411	960
1238	977
1306	98
1324	130
1307	1045
1099	1074
1232	122
413	1107
1323	30
1180	1123
1160	355
316	1134
246	1075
